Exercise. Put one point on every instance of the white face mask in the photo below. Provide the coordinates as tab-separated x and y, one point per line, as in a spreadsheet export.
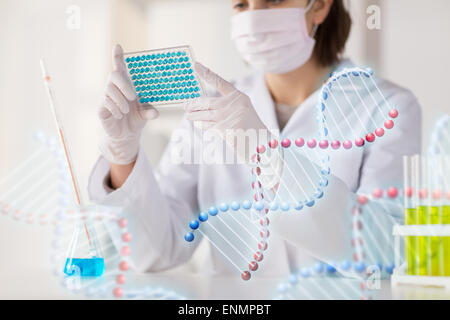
273	40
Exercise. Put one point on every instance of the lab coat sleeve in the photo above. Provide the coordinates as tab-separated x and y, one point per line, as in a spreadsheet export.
328	230
157	206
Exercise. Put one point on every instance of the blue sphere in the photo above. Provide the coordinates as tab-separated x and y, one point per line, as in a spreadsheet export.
282	288
235	205
305	272
285	206
299	206
330	268
293	279
203	216
213	211
246	204
259	205
310	203
346	265
325	95
223	207
360	267
318	194
323	182
390	268
273	206
189	237
380	266
194	224
318	268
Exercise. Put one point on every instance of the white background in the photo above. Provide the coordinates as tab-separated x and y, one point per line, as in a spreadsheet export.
411	49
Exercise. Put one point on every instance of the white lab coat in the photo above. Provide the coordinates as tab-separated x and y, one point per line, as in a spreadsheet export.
160	203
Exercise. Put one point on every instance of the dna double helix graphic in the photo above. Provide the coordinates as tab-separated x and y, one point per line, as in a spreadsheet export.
440	138
371	260
351	111
38	192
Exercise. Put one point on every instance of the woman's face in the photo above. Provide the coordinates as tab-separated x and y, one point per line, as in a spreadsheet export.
244	5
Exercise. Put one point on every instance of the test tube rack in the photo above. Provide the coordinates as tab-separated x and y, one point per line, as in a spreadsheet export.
400	276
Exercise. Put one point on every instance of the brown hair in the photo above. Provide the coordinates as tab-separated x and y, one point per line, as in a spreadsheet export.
332	35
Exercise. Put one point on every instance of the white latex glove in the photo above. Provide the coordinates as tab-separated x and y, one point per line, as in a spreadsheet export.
230	114
227	114
122	116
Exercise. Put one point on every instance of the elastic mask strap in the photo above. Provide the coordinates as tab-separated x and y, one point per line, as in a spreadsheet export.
315	26
309	6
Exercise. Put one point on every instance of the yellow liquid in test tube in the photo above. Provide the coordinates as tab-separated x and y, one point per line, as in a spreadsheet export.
422	243
434	243
445	219
411	242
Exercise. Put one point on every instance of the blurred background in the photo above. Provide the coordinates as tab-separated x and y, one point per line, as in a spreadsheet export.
76	36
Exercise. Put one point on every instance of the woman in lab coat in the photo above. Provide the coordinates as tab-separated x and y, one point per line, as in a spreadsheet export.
293	46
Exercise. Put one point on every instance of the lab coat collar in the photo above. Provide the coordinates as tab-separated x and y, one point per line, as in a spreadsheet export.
265	108
263	103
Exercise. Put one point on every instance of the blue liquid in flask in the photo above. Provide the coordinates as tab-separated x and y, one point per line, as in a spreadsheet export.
84	267
91	266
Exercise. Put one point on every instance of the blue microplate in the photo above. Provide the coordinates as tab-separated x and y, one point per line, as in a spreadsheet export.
90	267
164	76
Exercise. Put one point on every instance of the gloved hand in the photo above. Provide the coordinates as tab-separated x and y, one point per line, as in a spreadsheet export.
233	116
229	114
122	116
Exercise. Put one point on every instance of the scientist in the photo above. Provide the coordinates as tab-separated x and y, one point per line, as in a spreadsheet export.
293	45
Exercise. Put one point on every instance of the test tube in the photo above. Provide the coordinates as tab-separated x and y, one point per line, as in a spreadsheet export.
434	213
410	212
445	213
421	199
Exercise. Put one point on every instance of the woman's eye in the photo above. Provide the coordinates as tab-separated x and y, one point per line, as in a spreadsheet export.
275	2
239	6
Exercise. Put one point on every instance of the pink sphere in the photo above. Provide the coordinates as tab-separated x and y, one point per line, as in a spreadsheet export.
123	223
262	245
261	149
312	143
408	192
437	194
359	142
335	144
362	200
258	256
245	275
264	222
389	124
264	233
299	142
120	279
448	195
285	143
125	251
118	292
379	132
273	143
253	266
323	144
370	137
123	266
423	193
347	144
126	237
393	113
377	193
392	192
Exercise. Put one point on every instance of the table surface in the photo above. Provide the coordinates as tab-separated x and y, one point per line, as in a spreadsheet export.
41	284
